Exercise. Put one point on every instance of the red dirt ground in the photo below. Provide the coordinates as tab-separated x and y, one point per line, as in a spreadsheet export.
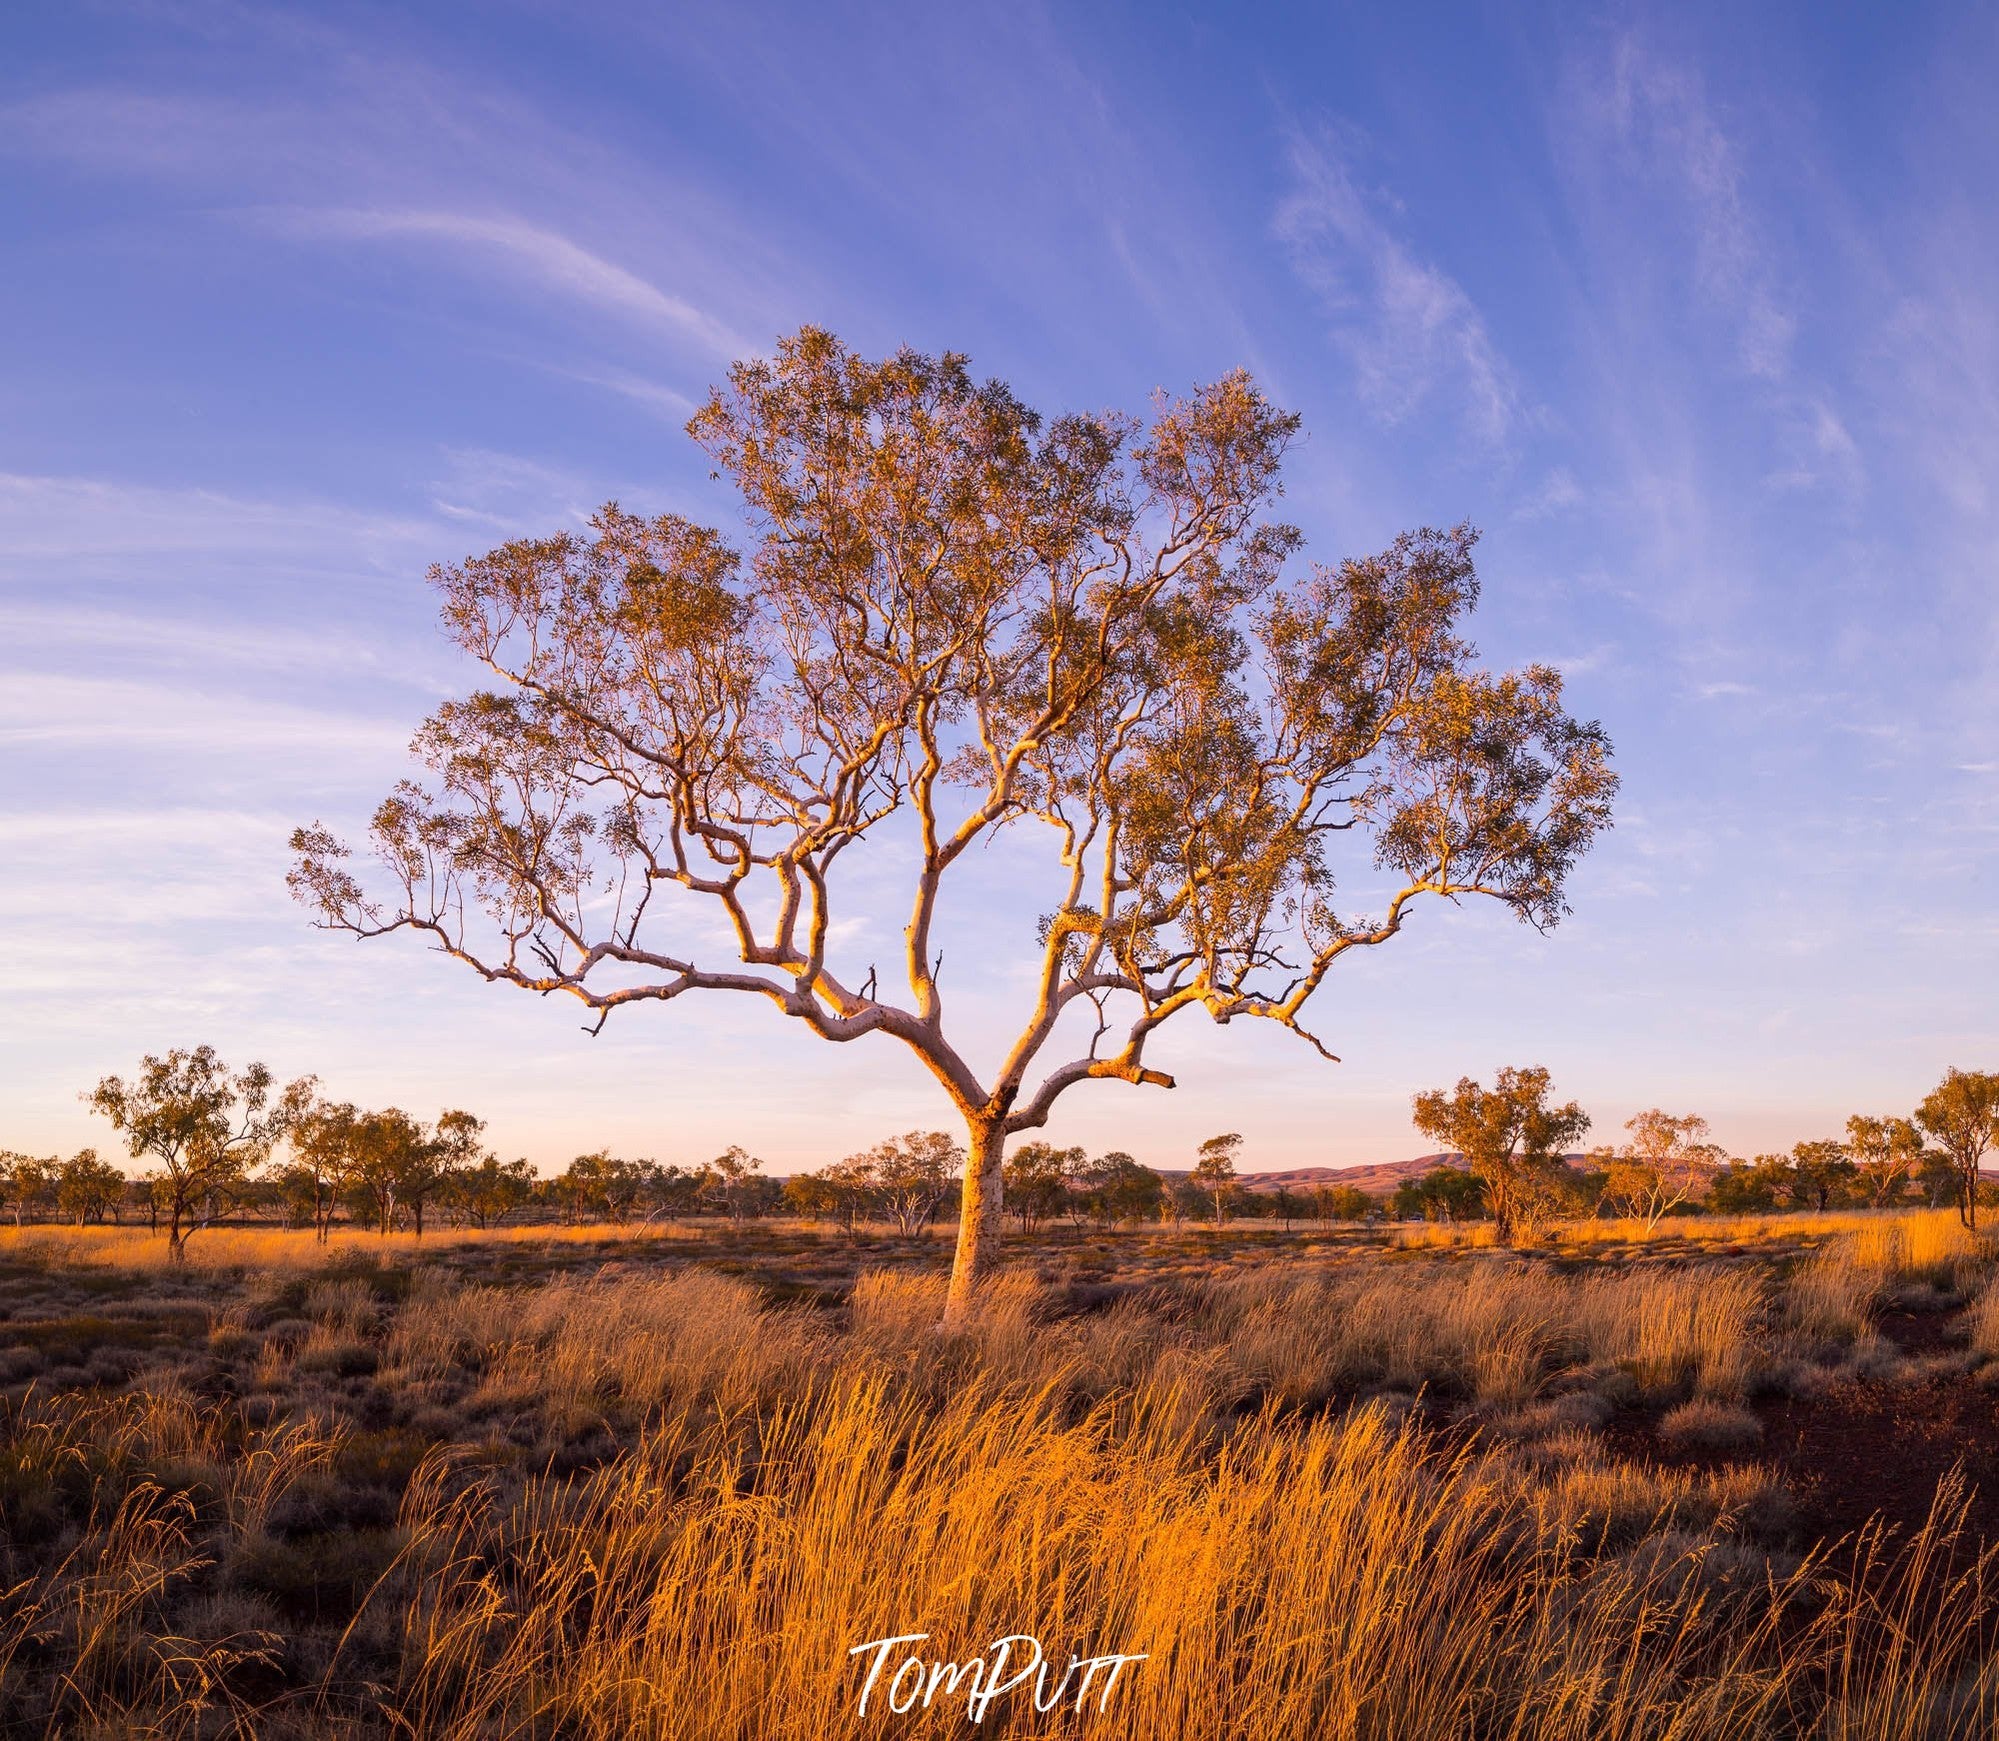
1868	1445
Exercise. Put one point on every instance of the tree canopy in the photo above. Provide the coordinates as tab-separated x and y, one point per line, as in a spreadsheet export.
1962	1113
1506	1133
205	1128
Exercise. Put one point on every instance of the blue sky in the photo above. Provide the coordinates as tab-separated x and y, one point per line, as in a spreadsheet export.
1692	309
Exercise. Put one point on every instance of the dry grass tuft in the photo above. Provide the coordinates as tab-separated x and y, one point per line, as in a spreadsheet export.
1705	1424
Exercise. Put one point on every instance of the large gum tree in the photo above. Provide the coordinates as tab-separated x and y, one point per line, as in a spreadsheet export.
952	618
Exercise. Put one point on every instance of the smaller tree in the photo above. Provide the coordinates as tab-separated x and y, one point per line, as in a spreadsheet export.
1214	1172
1885	1152
1343	1203
1034	1182
627	1185
674	1190
1507	1134
148	1197
447	1149
729	1180
1668	1161
602	1185
1127	1190
913	1174
1936	1177
842	1191
1820	1169
385	1150
205	1128
1446	1194
1184	1201
1751	1187
87	1189
322	1150
486	1193
1962	1113
26	1183
1079	1180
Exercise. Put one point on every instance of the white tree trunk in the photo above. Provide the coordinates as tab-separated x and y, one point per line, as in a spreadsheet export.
978	1216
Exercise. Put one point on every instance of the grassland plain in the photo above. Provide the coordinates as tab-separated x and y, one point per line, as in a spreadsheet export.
1728	1478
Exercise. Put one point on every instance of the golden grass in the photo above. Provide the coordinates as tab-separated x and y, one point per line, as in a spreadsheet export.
1926	1237
286	1249
1927	1241
1156	1478
1982	1321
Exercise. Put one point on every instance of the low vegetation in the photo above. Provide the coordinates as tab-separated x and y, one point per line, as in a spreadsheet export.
658	1482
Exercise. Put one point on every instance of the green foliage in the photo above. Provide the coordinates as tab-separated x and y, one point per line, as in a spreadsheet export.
1962	1113
1510	1135
204	1128
1446	1193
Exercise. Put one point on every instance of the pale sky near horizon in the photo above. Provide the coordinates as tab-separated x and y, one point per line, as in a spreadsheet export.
1692	309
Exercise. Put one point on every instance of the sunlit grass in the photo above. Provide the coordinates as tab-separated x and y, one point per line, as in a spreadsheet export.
1160	1477
287	1249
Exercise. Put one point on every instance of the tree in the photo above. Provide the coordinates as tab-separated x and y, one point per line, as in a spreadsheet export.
1078	1180
1886	1152
322	1149
1818	1169
1752	1187
384	1150
396	1165
487	1192
958	619
1506	1134
1962	1113
1214	1172
842	1191
1126	1190
26	1182
911	1175
86	1189
1447	1194
1036	1181
1341	1202
1936	1177
204	1128
1184	1201
1666	1162
451	1148
674	1190
602	1184
728	1179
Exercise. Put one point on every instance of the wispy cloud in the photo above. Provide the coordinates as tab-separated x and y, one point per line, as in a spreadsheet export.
1821	450
1409	329
41	708
70	517
541	256
1558	492
668	402
97	636
1658	112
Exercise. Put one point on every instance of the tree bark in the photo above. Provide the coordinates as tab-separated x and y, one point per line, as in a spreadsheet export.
978	1215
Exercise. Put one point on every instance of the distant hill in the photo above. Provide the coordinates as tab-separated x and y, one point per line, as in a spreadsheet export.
1376	1178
